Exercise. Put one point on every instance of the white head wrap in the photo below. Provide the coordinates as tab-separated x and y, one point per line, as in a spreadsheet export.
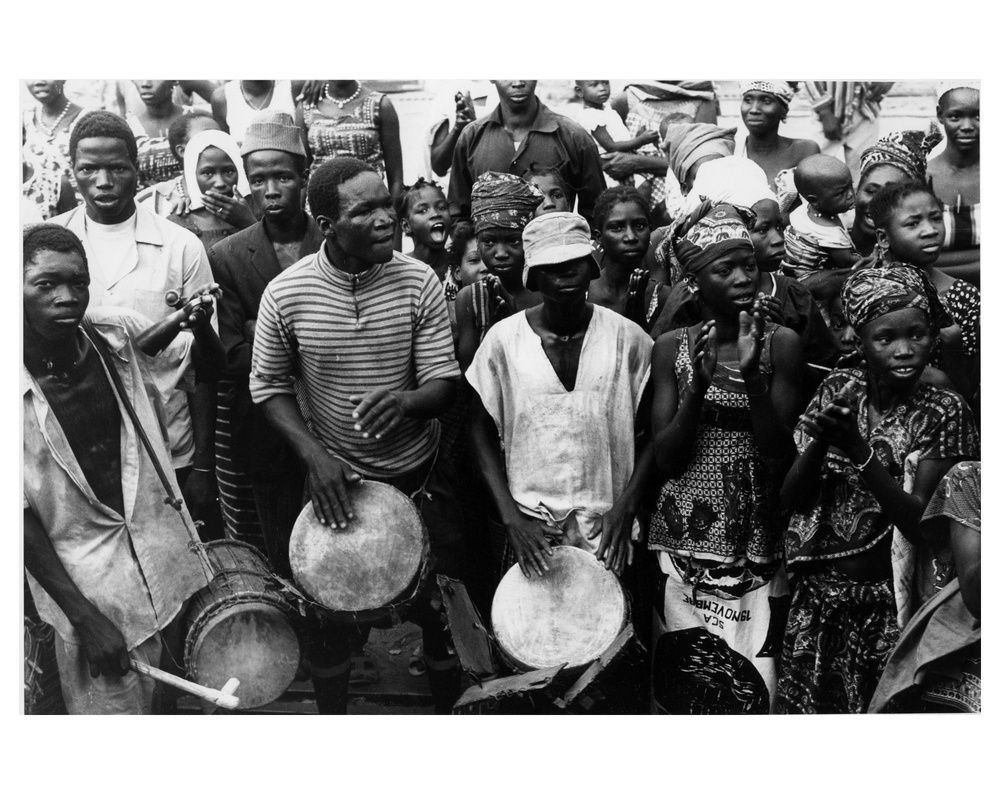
734	180
943	87
195	146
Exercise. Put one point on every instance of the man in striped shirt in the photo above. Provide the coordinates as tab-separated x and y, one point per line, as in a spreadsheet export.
366	332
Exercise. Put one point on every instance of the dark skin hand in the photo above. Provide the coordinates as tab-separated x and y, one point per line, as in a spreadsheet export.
102	643
229	209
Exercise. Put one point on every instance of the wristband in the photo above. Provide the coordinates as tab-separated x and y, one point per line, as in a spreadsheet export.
867	461
207	471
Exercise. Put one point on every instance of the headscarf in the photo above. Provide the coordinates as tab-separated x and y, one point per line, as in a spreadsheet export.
906	150
685	142
944	87
198	144
501	200
708	233
734	180
781	89
873	292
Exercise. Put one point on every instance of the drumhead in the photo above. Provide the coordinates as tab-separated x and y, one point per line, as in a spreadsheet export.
570	616
369	563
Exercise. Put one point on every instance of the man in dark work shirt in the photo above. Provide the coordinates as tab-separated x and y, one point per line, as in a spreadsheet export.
108	562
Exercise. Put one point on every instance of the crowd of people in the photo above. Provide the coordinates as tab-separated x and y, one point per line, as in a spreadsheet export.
744	377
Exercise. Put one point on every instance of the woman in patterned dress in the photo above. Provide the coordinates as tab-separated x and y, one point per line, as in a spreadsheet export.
46	148
725	397
873	445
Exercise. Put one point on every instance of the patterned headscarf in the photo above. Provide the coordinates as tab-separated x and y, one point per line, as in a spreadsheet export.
685	142
781	89
873	292
500	200
709	232
906	150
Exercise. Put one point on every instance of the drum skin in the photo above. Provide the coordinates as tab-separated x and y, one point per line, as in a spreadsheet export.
569	616
369	563
239	627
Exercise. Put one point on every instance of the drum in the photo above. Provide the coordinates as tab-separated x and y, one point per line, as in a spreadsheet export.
570	616
239	626
371	568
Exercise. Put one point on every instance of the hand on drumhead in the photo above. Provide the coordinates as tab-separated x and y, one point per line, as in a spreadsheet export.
615	548
326	482
102	644
527	537
377	412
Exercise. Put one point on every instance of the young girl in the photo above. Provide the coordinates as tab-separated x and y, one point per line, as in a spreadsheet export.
621	217
955	175
465	267
909	224
213	174
425	218
550	183
873	444
725	396
45	147
502	204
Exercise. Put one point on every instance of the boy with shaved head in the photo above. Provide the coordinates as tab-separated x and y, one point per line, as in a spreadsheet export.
818	250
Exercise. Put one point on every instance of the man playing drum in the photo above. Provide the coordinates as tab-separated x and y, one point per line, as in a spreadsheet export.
559	387
366	332
108	562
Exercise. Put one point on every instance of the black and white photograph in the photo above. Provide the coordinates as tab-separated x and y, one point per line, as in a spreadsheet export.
553	398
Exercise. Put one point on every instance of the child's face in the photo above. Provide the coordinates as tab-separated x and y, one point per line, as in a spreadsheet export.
472	267
625	234
875	179
554	198
216	172
767	235
502	252
841	329
428	219
154	93
835	194
594	93
959	116
915	232
897	347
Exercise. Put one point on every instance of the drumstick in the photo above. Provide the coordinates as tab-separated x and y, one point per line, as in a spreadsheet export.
223	698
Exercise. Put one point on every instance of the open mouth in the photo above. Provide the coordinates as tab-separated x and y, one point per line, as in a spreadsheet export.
904	372
438	232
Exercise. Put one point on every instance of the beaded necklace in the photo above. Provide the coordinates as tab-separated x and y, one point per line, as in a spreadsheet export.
340	103
50	133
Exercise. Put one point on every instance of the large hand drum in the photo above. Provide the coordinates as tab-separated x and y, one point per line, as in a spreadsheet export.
570	616
376	564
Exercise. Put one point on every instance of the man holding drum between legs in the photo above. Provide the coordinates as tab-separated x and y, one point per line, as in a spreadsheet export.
559	385
366	332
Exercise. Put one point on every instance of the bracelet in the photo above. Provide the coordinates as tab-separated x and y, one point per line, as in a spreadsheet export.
766	389
207	471
867	461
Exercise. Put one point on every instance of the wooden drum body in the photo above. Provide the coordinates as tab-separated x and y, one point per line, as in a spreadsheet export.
239	626
570	616
371	568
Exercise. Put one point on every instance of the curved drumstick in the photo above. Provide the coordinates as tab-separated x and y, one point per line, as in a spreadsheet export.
223	698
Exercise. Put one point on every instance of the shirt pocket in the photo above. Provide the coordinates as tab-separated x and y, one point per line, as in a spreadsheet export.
151	304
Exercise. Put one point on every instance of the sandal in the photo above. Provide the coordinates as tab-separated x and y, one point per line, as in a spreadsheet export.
417	667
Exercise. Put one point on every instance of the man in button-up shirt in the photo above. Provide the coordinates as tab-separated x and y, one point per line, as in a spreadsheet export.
108	562
520	132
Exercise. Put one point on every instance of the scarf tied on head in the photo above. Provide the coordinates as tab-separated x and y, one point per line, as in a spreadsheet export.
710	232
906	150
781	89
686	142
873	292
501	200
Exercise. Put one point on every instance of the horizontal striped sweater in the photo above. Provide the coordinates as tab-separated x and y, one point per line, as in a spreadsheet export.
343	334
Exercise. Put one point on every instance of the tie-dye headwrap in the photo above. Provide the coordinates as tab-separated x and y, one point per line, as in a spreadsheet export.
501	200
906	150
873	292
685	142
781	89
709	232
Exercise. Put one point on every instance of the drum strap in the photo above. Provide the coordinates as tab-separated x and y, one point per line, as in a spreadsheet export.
171	500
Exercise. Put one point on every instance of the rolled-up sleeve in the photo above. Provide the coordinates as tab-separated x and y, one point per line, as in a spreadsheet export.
273	353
